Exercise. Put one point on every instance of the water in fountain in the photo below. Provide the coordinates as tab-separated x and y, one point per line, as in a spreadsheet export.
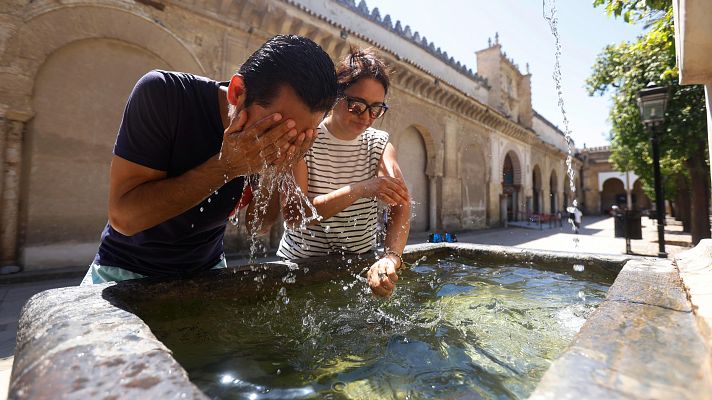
455	329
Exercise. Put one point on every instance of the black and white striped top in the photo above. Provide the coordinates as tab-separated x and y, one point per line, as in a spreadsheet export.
332	164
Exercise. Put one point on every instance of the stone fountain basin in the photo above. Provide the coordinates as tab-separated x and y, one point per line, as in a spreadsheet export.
646	340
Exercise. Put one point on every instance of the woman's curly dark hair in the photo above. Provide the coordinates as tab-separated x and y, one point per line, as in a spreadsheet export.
359	64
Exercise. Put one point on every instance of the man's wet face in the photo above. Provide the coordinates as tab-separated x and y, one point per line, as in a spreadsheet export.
287	103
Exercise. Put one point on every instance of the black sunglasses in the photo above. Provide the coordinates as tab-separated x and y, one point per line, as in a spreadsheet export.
359	106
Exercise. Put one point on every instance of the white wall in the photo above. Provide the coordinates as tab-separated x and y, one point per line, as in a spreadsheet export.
391	41
549	134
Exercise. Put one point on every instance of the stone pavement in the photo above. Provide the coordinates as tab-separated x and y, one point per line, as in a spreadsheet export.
596	236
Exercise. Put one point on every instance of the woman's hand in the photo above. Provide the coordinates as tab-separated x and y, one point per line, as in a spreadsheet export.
382	276
389	190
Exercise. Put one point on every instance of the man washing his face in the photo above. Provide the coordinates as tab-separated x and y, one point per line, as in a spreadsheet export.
186	144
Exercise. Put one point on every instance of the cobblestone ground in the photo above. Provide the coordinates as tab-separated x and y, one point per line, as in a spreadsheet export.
596	236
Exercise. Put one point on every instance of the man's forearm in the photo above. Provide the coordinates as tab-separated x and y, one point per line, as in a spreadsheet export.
153	202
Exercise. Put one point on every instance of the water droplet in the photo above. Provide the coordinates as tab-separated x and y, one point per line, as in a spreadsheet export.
192	225
201	209
209	199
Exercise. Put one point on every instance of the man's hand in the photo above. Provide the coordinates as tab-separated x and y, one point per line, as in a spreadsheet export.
296	151
248	150
382	276
391	191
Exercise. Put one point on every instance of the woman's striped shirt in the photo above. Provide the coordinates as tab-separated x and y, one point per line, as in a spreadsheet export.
332	164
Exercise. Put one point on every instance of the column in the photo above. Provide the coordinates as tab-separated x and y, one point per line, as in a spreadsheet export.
433	201
10	201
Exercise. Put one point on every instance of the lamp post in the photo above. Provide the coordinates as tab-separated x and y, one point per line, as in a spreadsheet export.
652	102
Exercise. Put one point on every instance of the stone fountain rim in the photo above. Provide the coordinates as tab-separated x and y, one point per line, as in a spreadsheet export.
52	339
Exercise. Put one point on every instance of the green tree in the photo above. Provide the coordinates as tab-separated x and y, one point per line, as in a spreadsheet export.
624	69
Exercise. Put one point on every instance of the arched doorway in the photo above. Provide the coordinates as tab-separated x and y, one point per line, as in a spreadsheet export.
412	159
511	183
472	174
536	190
613	193
79	96
553	193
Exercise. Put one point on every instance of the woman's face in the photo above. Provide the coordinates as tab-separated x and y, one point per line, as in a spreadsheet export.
366	90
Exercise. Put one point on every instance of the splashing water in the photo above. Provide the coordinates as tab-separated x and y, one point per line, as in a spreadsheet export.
273	181
454	329
549	12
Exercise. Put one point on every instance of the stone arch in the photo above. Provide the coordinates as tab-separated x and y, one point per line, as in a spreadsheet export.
50	30
553	192
516	165
516	157
511	180
429	143
537	190
612	193
473	173
413	158
42	49
72	133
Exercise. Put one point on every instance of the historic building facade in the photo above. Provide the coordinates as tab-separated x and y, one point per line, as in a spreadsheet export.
473	150
604	186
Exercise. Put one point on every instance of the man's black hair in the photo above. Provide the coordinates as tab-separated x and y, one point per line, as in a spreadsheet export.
293	60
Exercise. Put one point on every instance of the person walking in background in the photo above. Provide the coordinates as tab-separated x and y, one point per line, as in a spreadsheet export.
349	169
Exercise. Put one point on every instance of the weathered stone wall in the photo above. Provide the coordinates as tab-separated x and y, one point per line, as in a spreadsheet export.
549	134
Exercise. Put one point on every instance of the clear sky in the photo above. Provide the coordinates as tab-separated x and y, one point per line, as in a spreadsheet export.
462	27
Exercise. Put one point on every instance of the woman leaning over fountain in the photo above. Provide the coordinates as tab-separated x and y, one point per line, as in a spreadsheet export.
349	169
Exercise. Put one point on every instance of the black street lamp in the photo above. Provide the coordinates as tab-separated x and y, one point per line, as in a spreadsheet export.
652	102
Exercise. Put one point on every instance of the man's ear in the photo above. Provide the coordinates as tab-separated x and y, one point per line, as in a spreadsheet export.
236	91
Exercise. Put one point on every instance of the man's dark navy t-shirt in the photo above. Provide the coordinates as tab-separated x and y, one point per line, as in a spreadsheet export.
172	123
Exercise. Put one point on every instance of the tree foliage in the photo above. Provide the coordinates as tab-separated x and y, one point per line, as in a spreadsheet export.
624	69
